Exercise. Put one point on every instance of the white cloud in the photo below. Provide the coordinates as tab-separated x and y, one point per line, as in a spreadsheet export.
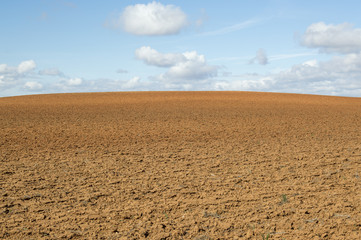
338	76
261	57
74	81
3	68
152	19
194	68
33	86
182	66
341	38
311	63
67	84
153	57
26	66
14	76
346	67
132	83
333	77
247	82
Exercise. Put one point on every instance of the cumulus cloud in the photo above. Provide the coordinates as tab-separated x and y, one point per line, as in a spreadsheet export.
260	58
311	63
132	83
153	57
33	86
21	77
338	76
194	67
26	66
339	67
23	67
246	82
24	78
68	84
329	38
181	66
74	82
152	19
3	68
12	75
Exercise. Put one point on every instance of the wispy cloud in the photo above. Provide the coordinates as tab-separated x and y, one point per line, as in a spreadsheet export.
120	70
292	55
228	59
51	72
232	28
270	58
202	19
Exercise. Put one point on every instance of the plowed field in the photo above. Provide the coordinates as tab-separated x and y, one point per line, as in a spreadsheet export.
180	165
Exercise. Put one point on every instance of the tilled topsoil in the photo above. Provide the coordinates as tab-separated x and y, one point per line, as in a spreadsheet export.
180	165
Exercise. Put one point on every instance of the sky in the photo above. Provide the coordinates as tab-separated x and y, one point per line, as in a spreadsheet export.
57	46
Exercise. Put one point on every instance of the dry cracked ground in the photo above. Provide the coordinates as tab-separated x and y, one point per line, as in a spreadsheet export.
180	165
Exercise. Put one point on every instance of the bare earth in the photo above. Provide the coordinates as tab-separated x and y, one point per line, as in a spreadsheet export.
180	165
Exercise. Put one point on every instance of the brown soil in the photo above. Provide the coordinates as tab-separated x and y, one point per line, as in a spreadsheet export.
180	165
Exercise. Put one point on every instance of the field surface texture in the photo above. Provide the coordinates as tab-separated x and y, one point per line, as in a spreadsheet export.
180	165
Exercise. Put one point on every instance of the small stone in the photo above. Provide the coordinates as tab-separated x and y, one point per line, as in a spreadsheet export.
26	197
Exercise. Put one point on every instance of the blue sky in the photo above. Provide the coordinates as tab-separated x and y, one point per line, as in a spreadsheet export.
53	46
